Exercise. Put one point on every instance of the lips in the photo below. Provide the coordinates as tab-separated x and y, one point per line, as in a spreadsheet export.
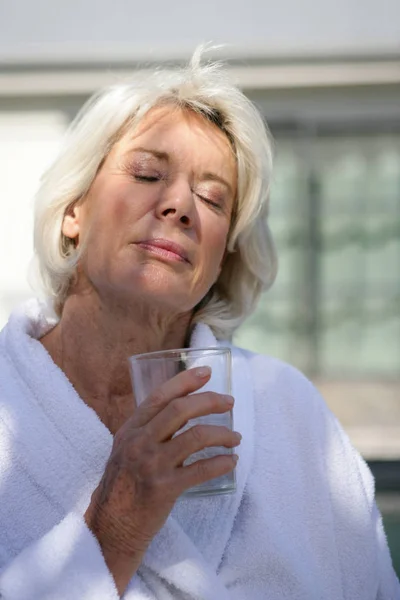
165	248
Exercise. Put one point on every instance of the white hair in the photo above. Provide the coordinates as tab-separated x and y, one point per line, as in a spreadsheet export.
250	265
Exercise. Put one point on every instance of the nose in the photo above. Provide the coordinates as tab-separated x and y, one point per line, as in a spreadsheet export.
177	204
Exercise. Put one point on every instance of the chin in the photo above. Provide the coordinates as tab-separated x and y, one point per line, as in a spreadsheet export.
158	287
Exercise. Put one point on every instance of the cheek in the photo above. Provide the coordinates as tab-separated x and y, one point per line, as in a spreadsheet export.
213	251
107	221
117	206
116	210
215	241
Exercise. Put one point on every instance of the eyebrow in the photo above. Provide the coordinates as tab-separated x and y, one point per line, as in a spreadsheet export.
207	176
158	154
214	177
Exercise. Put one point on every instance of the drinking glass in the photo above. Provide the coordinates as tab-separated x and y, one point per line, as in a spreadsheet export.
152	369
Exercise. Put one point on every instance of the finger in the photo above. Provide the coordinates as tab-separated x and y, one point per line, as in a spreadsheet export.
197	438
204	470
184	383
180	410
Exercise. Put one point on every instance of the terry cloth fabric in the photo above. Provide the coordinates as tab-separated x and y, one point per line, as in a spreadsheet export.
302	525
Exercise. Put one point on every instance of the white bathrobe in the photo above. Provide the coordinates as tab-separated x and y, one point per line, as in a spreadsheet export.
303	524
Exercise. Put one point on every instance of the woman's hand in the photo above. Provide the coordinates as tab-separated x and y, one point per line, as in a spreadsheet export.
144	475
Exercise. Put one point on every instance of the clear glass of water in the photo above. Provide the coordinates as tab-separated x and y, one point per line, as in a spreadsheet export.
152	369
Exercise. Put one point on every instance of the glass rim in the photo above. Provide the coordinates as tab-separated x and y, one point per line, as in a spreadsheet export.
178	352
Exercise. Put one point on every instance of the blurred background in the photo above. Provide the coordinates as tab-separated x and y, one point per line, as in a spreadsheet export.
327	78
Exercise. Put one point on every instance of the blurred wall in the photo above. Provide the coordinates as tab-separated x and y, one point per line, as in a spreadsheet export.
87	28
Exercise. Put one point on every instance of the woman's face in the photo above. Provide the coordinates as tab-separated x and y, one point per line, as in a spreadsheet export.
156	219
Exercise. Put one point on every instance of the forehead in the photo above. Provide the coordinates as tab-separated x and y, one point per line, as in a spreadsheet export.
176	130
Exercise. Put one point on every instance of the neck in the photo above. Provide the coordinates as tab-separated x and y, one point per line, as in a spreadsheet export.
91	344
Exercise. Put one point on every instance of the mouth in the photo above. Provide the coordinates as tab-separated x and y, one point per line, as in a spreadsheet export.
165	249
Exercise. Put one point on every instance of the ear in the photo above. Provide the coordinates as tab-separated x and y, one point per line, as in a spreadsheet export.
72	223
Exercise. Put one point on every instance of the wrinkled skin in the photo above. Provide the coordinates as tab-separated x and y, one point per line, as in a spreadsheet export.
144	475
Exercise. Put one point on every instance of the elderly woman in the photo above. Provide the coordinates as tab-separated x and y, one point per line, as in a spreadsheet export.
150	233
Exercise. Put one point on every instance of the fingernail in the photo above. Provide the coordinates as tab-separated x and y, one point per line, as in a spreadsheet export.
203	372
229	400
238	435
235	458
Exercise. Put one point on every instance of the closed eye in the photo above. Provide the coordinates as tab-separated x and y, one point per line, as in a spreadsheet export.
216	205
147	178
